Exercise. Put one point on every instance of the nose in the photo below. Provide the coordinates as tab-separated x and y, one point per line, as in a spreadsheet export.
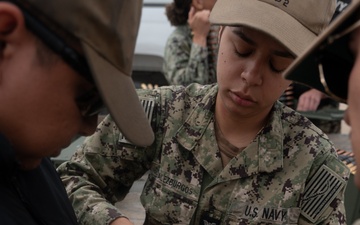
252	74
88	125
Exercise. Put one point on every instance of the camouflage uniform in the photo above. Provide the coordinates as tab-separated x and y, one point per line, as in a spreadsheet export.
186	62
289	174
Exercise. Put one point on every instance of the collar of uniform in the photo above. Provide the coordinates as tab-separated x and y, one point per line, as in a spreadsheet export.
263	155
270	142
198	121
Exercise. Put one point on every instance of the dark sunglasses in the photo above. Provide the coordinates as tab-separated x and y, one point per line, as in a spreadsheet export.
90	103
335	59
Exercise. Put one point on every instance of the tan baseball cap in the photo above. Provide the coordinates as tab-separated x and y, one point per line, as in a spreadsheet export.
295	23
328	61
107	31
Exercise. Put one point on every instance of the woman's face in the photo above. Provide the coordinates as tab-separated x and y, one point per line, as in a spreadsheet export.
249	71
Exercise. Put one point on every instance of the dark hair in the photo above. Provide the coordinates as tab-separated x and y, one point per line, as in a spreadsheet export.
177	12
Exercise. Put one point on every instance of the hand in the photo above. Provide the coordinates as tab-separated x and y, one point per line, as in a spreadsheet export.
121	221
310	100
199	24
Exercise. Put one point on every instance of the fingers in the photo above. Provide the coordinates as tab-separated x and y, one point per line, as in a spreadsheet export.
198	18
199	24
308	103
310	100
191	14
149	86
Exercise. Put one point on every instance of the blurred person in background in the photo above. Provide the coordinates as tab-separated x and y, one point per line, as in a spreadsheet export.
191	50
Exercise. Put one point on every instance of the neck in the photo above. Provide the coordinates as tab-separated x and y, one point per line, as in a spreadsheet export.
239	130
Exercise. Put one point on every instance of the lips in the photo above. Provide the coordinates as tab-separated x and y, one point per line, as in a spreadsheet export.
243	96
241	99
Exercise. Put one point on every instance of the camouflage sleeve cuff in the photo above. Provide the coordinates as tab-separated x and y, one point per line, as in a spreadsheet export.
198	52
102	213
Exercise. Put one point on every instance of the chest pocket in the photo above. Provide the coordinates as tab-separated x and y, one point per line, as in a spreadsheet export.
169	200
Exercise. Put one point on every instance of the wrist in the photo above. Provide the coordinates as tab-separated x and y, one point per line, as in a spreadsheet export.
199	40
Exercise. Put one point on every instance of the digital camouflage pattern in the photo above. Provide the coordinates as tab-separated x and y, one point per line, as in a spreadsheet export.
289	174
186	62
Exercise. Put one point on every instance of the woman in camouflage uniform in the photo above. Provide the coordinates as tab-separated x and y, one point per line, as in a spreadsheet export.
226	153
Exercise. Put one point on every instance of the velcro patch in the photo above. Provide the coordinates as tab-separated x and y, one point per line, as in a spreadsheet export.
321	190
148	105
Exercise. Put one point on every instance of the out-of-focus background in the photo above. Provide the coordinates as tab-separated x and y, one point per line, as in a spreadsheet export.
149	51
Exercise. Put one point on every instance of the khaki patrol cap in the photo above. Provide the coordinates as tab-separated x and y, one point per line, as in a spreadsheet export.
107	31
331	50
294	23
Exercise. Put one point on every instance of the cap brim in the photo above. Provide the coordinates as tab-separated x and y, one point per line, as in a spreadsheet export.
305	68
119	94
265	17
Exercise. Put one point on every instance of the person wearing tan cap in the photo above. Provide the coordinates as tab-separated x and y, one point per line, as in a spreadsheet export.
226	153
58	59
331	64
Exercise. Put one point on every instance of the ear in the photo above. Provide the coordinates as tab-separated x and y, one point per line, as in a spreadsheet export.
12	25
198	4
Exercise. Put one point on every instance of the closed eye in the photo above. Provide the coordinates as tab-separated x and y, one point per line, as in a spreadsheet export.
274	69
242	54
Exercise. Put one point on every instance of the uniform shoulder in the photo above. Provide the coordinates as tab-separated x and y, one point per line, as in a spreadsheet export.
294	120
180	33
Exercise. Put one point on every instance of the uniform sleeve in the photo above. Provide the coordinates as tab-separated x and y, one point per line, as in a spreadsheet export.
185	62
323	200
102	171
